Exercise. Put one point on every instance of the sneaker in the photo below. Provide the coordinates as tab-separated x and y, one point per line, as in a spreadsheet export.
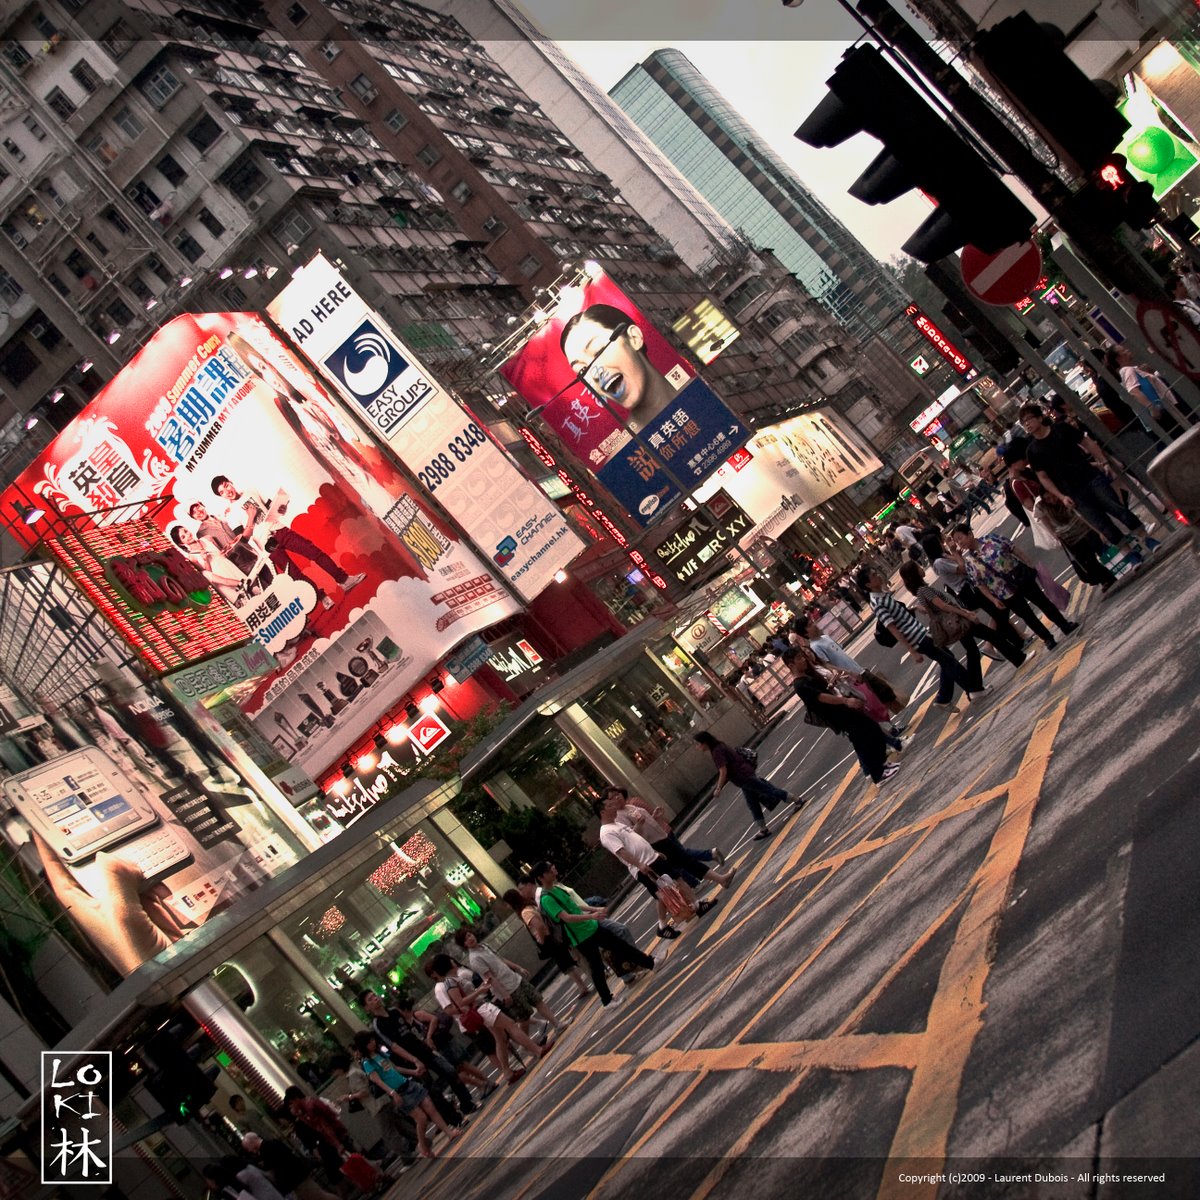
659	959
897	728
667	932
613	1003
1151	544
353	581
706	906
764	832
718	855
888	771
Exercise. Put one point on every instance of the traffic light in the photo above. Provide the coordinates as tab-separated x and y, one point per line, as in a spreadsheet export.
1111	196
920	150
175	1081
1028	62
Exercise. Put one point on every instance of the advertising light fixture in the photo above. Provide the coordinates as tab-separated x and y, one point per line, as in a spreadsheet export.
560	577
430	704
31	422
225	273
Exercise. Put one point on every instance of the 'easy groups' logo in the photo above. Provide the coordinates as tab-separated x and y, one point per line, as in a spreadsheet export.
505	552
366	363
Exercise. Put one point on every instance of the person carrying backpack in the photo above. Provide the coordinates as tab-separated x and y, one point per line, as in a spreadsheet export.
734	767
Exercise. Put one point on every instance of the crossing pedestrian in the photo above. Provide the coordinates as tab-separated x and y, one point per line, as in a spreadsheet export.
1001	571
949	623
581	923
509	982
549	939
842	714
735	768
915	637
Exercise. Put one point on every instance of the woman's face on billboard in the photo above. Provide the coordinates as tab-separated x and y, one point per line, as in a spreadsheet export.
612	364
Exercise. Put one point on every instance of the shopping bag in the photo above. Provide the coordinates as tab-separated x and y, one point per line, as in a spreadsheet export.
673	899
361	1173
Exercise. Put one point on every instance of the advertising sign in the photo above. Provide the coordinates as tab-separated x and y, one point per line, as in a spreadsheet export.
940	342
703	540
706	331
388	389
795	466
138	853
317	542
599	372
518	663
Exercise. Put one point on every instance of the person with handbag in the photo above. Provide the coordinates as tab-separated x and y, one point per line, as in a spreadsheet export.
581	924
358	1094
398	1081
509	983
949	623
733	767
549	939
476	1012
842	714
915	637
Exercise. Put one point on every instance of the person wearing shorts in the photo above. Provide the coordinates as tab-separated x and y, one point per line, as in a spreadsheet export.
398	1080
508	981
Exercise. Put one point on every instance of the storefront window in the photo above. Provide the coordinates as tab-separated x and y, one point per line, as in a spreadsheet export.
373	926
630	598
688	674
545	769
641	712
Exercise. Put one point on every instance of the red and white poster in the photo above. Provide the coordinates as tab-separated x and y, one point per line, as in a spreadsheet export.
315	539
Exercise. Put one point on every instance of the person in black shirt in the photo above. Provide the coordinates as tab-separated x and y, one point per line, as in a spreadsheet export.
1072	469
842	714
393	1028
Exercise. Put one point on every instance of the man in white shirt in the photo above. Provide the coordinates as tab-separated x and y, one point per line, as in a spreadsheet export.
642	861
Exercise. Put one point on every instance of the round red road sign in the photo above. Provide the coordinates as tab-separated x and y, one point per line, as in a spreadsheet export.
1171	335
1004	277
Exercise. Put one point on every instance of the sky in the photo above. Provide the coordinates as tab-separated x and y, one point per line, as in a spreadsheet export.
769	62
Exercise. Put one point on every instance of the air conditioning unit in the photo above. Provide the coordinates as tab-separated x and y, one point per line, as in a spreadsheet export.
254	204
37	330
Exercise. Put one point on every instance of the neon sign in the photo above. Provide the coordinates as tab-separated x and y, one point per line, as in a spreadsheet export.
939	341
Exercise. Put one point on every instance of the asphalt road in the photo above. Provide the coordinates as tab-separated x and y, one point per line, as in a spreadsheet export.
982	971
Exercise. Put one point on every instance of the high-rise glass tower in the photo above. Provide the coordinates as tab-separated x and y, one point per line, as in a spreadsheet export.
711	144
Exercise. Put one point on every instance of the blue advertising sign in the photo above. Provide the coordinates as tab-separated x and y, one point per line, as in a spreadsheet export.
696	434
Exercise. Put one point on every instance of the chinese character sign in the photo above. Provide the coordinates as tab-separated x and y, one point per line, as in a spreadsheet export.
77	1117
334	563
600	372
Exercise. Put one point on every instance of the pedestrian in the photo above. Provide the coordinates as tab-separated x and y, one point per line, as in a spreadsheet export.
549	939
914	637
581	923
683	863
842	714
950	623
319	1128
1071	468
394	1127
1120	414
1001	571
455	990
1014	449
1080	542
733	767
398	1080
405	1030
700	856
508	981
807	634
1151	394
291	1173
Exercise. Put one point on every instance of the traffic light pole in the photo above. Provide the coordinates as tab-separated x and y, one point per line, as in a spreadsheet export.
893	31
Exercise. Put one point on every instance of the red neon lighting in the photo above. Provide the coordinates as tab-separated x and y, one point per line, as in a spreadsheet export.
942	344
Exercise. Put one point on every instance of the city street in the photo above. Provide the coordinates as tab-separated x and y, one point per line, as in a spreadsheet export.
986	966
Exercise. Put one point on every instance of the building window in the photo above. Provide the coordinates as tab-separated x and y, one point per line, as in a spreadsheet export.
363	88
13	234
530	265
17	56
160	85
155	264
57	284
117	40
52	194
292	230
395	120
18	364
44	25
86	77
204	133
102	148
48	334
144	196
461	192
428	155
297	14
96	244
494	226
189	247
120	312
168	167
60	103
14	151
330	50
210	222
10	290
128	123
35	130
79	264
116	220
243	179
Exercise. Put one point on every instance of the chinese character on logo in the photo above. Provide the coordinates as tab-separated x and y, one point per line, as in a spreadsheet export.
76	1117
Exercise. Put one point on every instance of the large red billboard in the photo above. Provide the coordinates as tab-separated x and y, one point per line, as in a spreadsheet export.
321	547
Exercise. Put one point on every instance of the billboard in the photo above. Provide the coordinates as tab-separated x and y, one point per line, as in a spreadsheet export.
505	514
706	331
334	563
599	372
791	467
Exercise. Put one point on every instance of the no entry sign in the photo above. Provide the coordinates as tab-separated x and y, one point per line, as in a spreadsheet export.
1171	335
1004	277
